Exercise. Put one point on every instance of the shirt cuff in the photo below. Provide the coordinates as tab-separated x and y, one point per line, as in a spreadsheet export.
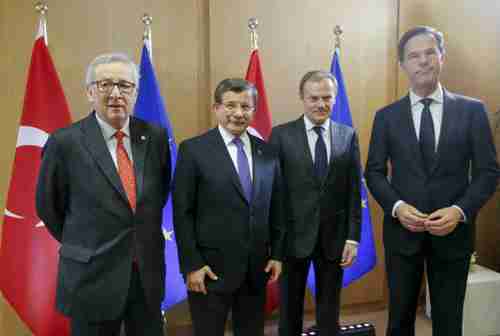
353	242
393	213
464	218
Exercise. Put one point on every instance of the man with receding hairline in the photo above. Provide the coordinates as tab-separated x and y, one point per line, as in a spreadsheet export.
443	170
101	190
321	170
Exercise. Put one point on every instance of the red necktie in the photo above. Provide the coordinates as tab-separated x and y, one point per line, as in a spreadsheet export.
125	169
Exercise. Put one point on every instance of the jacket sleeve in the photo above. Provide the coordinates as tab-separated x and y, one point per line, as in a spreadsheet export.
484	166
184	210
277	218
355	192
376	172
52	189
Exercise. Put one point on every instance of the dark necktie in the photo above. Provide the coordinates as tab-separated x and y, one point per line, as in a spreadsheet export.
427	137
243	169
320	156
125	169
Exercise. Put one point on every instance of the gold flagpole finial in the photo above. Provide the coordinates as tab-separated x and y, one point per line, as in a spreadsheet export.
253	24
147	20
41	7
337	31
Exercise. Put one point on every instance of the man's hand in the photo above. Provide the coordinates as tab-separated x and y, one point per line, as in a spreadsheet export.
349	254
196	279
273	266
411	218
443	221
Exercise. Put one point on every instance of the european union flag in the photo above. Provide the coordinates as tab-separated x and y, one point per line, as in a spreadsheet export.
367	256
150	107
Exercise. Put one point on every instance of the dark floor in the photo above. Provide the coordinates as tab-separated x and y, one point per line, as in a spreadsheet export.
378	318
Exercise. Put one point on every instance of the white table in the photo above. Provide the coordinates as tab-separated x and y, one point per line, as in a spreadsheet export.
482	303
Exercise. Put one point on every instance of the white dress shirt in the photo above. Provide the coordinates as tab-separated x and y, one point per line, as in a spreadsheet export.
108	133
436	109
312	137
233	150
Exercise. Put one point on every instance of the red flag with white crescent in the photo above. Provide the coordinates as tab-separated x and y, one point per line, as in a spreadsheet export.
261	127
28	254
261	124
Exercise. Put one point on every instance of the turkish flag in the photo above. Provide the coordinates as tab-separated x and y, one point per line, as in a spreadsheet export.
28	254
261	127
262	119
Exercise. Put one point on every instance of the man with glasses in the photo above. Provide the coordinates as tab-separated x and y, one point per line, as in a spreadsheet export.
101	190
228	217
321	172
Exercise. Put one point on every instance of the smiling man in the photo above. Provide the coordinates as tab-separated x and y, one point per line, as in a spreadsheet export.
101	190
228	217
321	173
443	170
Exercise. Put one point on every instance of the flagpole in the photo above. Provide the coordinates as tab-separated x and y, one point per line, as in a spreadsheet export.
337	31
42	9
147	37
253	24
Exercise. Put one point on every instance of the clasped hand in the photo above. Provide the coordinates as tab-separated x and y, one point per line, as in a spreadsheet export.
439	223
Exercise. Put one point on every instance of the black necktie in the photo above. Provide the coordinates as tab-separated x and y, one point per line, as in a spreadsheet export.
320	157
427	137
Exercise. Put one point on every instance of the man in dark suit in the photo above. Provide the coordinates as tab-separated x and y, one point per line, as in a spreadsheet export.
228	217
321	172
443	169
102	186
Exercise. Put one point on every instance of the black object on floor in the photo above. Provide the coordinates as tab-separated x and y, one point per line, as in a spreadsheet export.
358	329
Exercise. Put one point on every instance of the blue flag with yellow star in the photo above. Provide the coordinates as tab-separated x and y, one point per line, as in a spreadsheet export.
150	107
367	256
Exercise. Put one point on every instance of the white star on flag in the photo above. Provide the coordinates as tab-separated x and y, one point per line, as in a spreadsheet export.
168	235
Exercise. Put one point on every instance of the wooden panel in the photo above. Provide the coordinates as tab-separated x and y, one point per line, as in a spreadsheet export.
472	67
297	36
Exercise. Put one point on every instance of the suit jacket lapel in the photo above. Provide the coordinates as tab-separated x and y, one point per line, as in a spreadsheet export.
93	140
258	165
139	140
303	146
335	148
409	131
448	106
225	163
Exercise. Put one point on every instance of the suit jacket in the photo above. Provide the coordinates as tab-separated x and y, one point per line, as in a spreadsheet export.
465	173
329	211
214	223
81	200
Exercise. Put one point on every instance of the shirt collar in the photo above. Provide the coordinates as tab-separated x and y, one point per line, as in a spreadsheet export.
437	96
309	125
109	131
228	137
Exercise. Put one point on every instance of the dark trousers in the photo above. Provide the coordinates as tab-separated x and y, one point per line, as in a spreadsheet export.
447	281
137	318
293	284
209	312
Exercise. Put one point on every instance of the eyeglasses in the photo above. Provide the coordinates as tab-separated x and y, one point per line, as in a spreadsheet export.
107	85
231	107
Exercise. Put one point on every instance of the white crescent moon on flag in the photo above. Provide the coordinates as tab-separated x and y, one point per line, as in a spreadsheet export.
254	132
29	136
